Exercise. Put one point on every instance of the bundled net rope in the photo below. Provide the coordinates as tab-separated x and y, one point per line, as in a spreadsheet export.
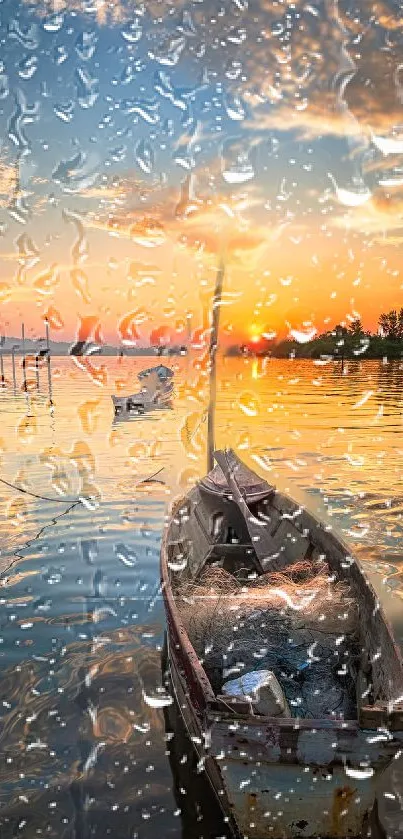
299	623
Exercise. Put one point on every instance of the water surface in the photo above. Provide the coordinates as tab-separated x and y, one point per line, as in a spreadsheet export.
83	745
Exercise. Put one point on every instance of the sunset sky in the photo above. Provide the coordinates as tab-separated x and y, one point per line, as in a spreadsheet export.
142	142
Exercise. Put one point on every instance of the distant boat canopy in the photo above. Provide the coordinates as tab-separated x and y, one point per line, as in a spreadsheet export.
161	371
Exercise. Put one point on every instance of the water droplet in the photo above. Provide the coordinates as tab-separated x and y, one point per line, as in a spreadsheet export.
27	36
237	167
60	54
86	45
187	26
178	566
54	318
127	74
77	172
132	32
118	154
359	774
303	337
28	67
64	110
127	329
53	576
23	115
367	395
147	109
234	107
4	86
161	701
248	404
169	52
27	251
144	156
391	144
79	281
89	415
53	23
79	251
87	88
125	554
46	283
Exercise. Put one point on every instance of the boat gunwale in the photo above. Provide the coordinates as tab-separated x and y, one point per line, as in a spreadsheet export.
284	723
367	587
186	648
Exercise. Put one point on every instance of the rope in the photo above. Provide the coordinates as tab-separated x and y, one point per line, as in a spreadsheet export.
68	500
70	506
42	497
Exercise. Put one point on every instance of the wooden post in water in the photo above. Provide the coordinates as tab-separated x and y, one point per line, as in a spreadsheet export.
24	362
13	367
37	371
48	364
2	343
213	365
189	331
188	338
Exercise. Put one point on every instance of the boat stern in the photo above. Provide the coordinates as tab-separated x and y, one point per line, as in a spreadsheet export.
286	782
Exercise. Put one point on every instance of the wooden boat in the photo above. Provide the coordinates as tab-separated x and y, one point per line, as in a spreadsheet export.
277	777
281	778
156	392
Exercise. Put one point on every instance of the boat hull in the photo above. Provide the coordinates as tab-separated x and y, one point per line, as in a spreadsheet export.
272	798
139	403
265	793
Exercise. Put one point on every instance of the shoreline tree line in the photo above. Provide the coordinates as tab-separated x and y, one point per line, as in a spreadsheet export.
343	342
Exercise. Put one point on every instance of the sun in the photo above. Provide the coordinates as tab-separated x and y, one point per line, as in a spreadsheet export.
255	333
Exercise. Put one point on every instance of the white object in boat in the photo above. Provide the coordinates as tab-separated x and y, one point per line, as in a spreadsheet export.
262	688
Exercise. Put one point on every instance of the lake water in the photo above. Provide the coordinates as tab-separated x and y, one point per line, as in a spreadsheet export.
83	747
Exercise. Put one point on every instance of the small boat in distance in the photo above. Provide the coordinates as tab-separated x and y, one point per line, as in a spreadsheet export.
156	392
281	661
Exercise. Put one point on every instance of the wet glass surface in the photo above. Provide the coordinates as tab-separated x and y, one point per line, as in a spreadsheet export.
142	144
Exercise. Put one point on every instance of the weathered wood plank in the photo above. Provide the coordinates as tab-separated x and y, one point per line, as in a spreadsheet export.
373	717
289	546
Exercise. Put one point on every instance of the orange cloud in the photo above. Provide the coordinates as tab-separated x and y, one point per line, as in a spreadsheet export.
382	213
8	182
105	12
193	216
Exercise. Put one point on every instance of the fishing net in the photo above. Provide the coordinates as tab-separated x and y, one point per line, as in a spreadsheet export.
299	623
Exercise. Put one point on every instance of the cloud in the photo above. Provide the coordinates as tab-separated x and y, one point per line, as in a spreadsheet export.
328	68
309	124
8	182
105	12
196	215
304	64
381	217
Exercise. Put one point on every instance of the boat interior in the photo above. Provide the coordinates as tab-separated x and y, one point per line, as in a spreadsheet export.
214	534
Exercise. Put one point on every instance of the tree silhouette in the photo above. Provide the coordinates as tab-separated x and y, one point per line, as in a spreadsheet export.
355	327
391	324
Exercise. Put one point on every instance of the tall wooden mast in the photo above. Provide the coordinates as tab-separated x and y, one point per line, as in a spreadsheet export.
213	365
